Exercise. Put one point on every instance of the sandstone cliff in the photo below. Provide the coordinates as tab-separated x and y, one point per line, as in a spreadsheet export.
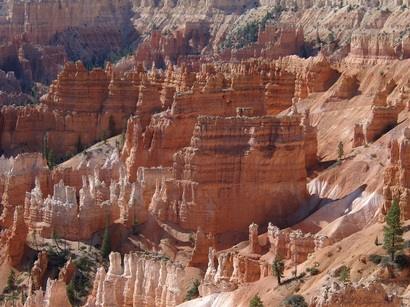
202	194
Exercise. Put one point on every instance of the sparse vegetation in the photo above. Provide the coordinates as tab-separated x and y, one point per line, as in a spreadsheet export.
313	271
376	259
80	285
256	301
106	243
344	274
48	154
11	282
249	33
402	261
56	260
193	292
12	291
295	300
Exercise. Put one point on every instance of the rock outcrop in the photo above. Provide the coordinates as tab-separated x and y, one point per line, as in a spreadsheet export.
231	268
104	25
383	118
174	47
54	295
80	108
38	270
17	177
15	238
143	281
75	216
203	194
171	130
354	295
396	182
274	41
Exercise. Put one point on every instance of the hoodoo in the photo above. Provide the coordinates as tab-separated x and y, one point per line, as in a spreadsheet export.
204	153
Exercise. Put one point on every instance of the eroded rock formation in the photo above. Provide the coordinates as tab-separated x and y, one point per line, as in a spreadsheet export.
201	194
358	295
396	182
95	205
80	108
229	269
54	295
383	118
143	281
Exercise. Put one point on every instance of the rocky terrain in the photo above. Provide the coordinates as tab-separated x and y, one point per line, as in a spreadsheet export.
204	153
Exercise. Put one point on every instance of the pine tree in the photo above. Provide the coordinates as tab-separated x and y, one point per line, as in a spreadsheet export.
51	159
256	302
45	147
340	151
193	292
11	282
71	292
79	145
278	268
111	126
393	239
106	243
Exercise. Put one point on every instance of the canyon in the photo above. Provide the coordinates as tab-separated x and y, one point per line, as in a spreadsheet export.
182	153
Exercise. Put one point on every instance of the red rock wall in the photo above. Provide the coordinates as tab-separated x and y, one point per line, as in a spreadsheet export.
231	163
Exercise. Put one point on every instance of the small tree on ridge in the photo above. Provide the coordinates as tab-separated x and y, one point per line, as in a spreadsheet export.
393	232
278	267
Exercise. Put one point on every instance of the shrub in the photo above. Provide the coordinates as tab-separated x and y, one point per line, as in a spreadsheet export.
256	301
376	259
11	282
51	159
344	274
56	260
313	271
402	261
295	300
71	293
193	292
78	288
83	263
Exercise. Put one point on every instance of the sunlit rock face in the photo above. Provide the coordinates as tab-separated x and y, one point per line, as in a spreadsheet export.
220	172
142	281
